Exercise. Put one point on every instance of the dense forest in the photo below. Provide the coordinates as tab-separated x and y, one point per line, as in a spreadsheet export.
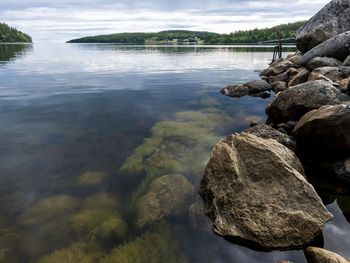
10	35
284	31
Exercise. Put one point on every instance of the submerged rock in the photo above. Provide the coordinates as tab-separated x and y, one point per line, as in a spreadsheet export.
197	218
336	47
267	132
294	102
325	128
255	191
78	252
332	20
167	195
320	255
155	246
91	178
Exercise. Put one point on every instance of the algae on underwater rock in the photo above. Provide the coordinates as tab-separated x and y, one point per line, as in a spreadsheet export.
151	247
50	208
167	195
99	224
76	253
91	178
101	200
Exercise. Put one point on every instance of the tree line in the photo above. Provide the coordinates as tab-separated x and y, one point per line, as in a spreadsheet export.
10	35
284	31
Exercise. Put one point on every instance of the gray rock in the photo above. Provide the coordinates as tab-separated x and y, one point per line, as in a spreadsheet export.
325	128
320	255
295	101
167	195
332	20
299	78
267	132
255	191
336	47
347	62
316	76
257	86
332	73
318	62
235	91
345	71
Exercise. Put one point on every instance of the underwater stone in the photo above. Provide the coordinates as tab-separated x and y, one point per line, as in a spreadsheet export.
167	195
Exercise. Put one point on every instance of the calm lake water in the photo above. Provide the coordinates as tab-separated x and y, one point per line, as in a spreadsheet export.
86	129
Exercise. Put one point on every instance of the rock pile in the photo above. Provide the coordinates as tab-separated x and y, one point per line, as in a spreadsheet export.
254	187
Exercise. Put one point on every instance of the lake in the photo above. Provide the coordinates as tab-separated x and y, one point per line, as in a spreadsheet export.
87	129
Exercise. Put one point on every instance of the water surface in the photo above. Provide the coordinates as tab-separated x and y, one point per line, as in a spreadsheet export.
81	129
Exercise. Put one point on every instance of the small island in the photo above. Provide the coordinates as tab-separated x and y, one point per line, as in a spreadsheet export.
185	37
12	35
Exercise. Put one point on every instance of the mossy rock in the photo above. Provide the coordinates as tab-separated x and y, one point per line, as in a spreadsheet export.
50	208
99	224
8	243
151	247
101	200
91	178
76	253
168	195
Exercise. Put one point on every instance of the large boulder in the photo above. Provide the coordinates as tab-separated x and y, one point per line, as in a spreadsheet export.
320	255
319	62
336	47
327	128
332	20
255	191
267	132
294	102
167	195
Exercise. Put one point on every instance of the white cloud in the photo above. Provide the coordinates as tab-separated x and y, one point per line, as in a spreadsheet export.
60	21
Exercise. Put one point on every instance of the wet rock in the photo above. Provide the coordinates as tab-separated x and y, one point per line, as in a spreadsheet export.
332	73
279	68
235	91
267	132
167	195
333	19
299	78
263	95
319	62
294	102
255	191
320	255
325	128
336	47
279	86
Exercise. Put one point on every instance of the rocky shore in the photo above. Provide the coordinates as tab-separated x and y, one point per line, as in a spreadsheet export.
255	188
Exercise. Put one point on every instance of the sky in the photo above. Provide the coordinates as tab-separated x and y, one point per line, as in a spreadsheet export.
62	20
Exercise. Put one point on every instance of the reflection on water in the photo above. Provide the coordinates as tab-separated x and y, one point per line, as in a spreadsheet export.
10	52
103	148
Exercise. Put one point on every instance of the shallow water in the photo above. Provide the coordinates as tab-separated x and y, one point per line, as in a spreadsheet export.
71	169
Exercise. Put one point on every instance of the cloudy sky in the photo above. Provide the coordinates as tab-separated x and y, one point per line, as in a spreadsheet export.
61	20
